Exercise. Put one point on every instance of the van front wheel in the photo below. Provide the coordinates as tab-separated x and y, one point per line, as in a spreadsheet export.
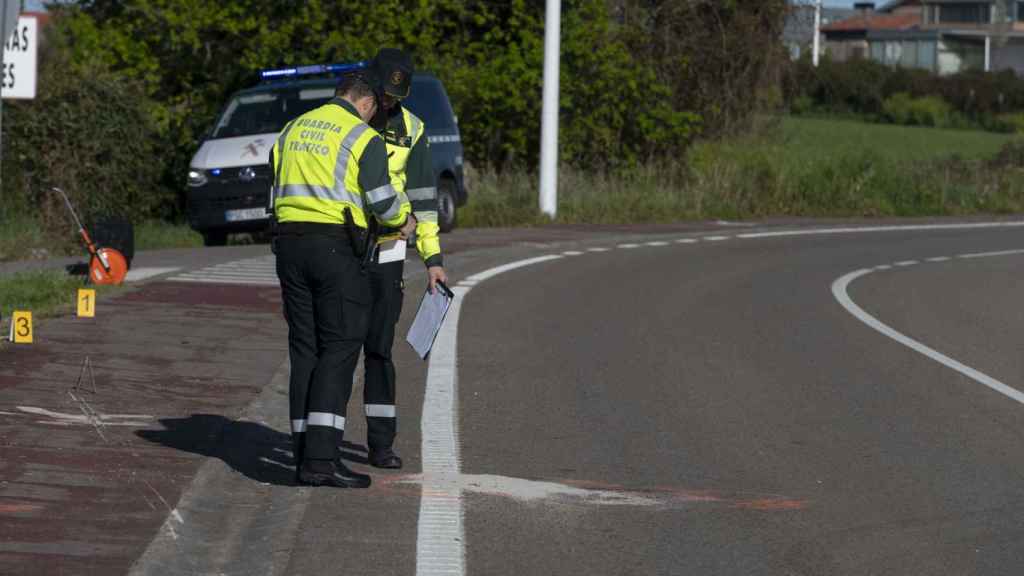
446	217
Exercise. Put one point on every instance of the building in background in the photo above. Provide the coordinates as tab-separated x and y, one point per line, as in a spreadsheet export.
943	36
798	32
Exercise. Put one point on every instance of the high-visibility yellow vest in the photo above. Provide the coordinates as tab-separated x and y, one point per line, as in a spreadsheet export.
398	156
316	167
427	241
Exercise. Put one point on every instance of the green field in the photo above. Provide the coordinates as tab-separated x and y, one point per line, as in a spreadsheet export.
784	167
817	138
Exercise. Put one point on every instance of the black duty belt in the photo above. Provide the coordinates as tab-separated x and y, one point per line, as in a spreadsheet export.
312	229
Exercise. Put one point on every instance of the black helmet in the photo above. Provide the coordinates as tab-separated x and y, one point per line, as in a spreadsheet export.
394	69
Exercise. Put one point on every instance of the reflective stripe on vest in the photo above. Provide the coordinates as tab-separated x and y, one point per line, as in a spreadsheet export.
316	167
398	156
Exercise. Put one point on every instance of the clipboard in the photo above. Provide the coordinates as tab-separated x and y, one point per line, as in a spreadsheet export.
429	317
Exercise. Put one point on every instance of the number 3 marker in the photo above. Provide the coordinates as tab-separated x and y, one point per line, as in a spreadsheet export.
21	327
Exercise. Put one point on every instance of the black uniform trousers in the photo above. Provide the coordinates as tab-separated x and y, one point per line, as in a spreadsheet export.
386	286
326	294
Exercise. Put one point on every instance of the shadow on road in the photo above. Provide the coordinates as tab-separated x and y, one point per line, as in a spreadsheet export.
252	449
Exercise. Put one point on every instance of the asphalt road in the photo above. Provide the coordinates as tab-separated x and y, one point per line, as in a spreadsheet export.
782	435
663	401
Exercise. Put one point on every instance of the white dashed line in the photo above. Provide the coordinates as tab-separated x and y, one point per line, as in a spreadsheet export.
988	254
938	259
440	545
866	229
905	263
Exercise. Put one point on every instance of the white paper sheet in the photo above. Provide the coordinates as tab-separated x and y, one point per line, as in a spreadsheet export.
431	313
391	251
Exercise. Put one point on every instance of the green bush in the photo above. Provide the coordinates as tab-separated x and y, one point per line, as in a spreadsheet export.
896	108
89	132
905	96
901	108
802	104
1014	121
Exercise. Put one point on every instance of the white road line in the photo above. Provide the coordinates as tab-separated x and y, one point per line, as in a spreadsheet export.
259	271
440	537
988	254
715	238
572	253
658	243
137	274
839	290
938	259
225	280
865	229
905	263
440	540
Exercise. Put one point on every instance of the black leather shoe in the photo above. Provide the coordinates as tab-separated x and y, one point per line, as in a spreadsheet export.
385	459
332	474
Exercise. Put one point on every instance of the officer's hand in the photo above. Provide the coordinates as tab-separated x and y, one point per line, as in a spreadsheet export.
408	228
436	274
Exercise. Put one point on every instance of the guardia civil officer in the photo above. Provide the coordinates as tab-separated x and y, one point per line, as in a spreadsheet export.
330	182
412	171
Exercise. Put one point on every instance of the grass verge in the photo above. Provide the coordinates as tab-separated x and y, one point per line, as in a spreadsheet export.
24	238
156	234
43	292
794	167
21	239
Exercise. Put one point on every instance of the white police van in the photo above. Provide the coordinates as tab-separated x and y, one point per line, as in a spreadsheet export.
229	177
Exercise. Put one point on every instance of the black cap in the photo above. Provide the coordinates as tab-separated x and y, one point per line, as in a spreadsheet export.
370	75
394	68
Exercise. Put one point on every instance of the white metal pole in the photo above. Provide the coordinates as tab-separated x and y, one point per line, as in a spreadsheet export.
988	53
549	114
817	33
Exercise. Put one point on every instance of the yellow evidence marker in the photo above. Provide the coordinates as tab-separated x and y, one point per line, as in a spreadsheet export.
86	303
21	327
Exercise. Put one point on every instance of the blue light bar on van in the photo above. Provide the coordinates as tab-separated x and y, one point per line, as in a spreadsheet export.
311	69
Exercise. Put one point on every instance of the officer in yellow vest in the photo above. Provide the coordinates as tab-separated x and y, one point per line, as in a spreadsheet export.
412	171
330	182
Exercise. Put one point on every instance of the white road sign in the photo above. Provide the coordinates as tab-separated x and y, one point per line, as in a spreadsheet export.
19	74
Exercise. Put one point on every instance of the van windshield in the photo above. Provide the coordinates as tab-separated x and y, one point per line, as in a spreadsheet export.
267	112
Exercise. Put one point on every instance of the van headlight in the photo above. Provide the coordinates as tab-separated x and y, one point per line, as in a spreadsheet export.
196	177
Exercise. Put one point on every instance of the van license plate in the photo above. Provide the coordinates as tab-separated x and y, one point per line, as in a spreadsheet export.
245	214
